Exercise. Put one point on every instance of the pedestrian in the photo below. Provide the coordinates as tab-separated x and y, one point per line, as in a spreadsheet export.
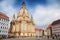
48	37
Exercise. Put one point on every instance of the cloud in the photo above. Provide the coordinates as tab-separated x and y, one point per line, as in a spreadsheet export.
42	14
54	2
6	7
45	15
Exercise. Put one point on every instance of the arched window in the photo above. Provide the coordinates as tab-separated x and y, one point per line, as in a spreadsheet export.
23	25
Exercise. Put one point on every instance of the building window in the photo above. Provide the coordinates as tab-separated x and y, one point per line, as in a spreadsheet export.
1	19
1	26
0	30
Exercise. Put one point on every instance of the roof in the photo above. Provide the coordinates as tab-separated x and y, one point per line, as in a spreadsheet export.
4	16
56	22
39	29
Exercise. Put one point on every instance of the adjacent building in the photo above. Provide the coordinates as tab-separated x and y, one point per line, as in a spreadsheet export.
4	24
49	30
56	27
23	25
39	32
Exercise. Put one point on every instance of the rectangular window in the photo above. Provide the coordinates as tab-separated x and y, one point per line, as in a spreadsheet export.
1	26
0	30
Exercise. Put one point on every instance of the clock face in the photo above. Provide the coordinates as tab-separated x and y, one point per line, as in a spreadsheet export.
23	26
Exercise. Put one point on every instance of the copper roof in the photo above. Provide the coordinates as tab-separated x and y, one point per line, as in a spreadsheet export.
4	16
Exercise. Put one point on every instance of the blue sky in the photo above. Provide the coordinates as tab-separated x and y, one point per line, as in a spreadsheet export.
43	11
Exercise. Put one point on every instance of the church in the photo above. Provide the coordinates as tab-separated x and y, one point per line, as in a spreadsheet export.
23	25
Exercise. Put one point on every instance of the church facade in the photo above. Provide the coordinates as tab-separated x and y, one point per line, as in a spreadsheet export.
23	25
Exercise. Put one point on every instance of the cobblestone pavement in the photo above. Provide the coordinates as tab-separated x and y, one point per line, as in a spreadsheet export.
24	38
30	38
45	38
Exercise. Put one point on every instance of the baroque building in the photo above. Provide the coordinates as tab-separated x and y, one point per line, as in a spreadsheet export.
23	25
